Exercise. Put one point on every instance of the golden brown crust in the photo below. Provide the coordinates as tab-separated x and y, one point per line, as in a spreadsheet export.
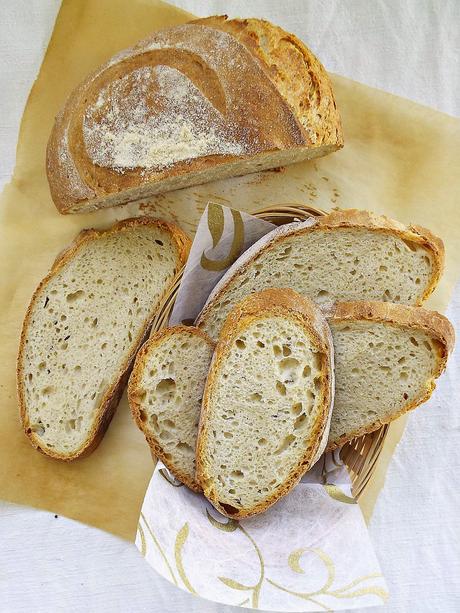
432	323
135	392
111	398
344	218
272	302
276	91
296	73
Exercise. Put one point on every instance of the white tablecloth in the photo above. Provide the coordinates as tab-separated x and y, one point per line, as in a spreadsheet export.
50	564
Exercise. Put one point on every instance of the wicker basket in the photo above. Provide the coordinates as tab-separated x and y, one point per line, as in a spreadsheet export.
361	454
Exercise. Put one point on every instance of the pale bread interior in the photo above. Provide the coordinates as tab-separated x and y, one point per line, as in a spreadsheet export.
84	324
266	398
169	388
220	170
328	266
380	369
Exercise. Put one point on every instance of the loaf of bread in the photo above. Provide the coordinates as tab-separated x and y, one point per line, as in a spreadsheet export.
387	357
267	402
165	392
346	255
84	325
206	100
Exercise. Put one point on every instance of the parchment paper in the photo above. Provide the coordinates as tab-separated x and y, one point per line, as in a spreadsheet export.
400	158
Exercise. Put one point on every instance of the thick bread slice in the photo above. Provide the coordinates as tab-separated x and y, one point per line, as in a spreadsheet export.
198	102
346	255
267	402
387	357
165	392
83	327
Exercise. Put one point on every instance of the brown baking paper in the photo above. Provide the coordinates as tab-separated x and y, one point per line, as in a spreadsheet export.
399	158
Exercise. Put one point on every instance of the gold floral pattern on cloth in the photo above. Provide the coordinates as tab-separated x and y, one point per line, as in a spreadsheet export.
310	552
216	221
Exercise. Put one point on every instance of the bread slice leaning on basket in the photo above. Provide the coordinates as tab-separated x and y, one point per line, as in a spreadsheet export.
267	402
197	102
345	255
165	392
387	359
84	326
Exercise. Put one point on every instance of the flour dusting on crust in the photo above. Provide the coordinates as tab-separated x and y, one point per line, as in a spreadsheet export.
152	118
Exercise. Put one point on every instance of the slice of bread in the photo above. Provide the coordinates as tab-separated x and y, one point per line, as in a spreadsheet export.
165	392
83	327
346	255
387	357
267	402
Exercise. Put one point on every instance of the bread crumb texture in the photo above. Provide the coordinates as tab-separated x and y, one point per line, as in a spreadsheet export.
166	390
255	439
84	323
380	369
328	266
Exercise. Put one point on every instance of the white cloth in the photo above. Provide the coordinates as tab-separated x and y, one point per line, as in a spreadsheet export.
50	564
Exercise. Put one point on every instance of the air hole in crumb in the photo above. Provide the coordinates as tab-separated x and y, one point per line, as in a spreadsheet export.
256	397
296	408
72	297
240	343
281	388
288	368
300	421
237	474
403	375
285	444
286	350
260	344
228	435
169	424
306	371
277	350
37	428
413	341
154	422
166	386
158	242
185	447
70	425
405	396
262	441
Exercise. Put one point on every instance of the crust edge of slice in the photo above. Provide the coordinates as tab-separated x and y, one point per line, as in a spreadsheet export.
406	317
342	218
134	401
112	397
287	303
